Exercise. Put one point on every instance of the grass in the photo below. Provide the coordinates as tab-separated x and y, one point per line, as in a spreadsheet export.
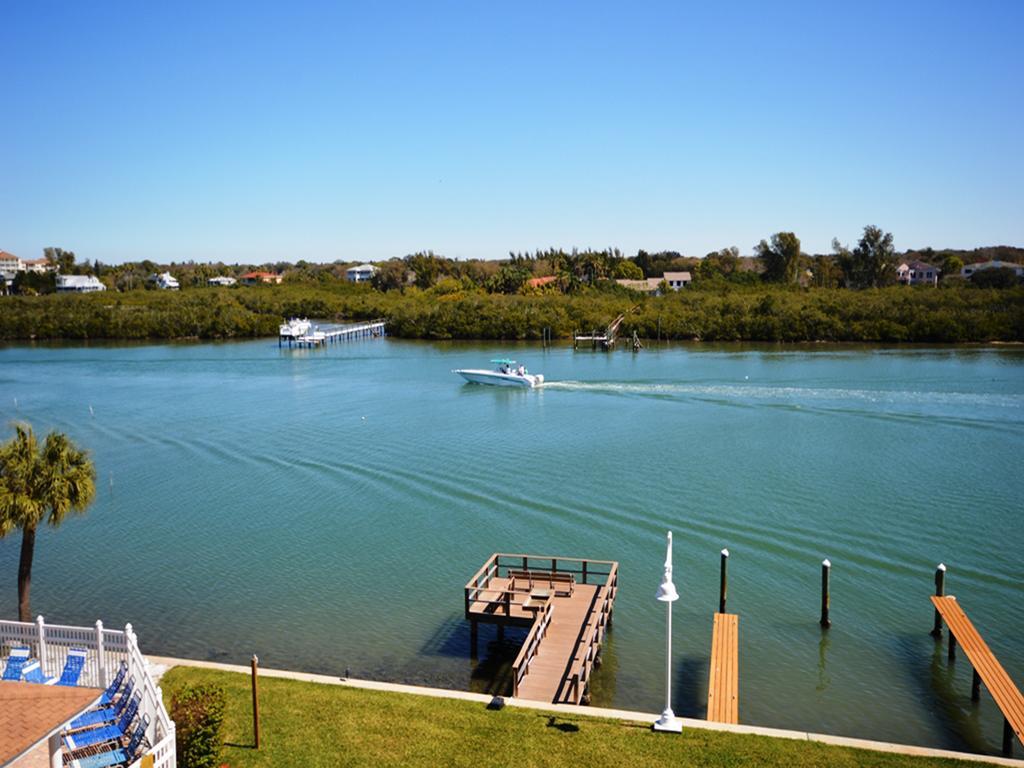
310	724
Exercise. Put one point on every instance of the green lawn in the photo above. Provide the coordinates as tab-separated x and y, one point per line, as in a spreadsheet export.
308	724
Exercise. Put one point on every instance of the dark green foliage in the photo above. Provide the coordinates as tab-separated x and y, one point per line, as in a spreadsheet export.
872	264
713	310
996	277
198	714
781	258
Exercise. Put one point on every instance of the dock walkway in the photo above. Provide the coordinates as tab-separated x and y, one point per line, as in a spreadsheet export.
332	334
567	604
987	668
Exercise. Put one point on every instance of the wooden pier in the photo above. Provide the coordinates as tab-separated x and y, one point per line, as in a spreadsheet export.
567	604
987	669
317	336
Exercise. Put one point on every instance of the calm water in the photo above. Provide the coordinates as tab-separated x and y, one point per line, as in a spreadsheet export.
323	509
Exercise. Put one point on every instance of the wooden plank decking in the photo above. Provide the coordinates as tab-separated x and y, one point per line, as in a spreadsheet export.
724	679
986	665
566	602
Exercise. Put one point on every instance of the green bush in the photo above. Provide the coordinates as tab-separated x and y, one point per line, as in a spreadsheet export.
198	714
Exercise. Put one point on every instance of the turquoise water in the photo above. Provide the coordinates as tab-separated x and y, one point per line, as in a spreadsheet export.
324	509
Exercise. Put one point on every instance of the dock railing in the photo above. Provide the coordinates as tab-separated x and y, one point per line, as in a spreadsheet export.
590	643
106	649
505	565
531	647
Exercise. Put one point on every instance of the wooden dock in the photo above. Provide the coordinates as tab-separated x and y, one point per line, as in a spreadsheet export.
332	334
567	604
987	669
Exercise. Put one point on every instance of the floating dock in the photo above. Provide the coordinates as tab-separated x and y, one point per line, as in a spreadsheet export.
567	604
317	336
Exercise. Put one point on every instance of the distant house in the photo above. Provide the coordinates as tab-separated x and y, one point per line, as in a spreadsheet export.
649	285
39	266
165	281
917	273
255	278
677	280
10	263
360	274
540	282
221	280
79	284
970	269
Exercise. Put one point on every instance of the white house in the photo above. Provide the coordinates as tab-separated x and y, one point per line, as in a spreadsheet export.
79	284
10	263
221	280
970	269
165	281
361	273
677	280
917	273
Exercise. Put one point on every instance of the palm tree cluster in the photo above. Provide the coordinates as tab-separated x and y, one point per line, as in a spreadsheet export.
40	484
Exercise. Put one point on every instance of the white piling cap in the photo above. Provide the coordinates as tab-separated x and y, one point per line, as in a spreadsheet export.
942	567
725	552
827	563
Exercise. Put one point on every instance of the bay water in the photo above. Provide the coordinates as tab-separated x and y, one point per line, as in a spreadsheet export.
324	508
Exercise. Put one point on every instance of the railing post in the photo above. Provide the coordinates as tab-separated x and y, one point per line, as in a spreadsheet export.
41	632
584	571
101	657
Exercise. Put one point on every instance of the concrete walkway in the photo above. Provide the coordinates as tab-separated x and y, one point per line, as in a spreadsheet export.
160	664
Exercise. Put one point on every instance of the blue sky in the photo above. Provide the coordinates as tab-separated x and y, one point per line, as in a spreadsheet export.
321	131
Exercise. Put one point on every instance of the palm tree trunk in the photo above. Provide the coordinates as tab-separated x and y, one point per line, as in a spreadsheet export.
28	546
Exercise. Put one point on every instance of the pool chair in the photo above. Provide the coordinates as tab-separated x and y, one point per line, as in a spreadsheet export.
15	663
73	666
115	686
115	732
33	673
104	715
118	756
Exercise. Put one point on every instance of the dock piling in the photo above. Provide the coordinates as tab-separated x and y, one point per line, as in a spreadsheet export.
975	685
940	590
826	567
723	583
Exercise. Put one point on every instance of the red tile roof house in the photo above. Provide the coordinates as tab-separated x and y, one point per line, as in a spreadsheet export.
255	278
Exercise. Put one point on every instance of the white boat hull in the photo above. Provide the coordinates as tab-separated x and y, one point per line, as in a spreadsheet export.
494	378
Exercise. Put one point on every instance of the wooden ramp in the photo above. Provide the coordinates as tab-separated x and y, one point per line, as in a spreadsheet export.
986	667
724	678
566	602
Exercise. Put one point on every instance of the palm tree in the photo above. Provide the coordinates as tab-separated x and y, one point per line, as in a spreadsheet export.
38	485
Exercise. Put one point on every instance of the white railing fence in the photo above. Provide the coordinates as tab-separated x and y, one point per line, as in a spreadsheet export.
106	649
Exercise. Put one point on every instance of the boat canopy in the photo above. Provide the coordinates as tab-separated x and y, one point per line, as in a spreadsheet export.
505	361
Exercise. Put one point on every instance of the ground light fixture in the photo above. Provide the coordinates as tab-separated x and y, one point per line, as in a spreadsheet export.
667	594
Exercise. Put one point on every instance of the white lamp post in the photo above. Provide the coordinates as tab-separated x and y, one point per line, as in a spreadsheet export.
667	594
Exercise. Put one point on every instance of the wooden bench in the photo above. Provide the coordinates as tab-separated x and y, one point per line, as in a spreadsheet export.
724	679
987	668
527	581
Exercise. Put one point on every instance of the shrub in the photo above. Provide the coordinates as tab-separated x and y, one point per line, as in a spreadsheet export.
198	714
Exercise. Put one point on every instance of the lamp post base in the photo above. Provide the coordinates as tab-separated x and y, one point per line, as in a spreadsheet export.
668	723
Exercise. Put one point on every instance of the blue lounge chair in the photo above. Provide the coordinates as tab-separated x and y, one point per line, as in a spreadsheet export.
15	663
73	666
33	673
116	732
115	685
104	715
118	756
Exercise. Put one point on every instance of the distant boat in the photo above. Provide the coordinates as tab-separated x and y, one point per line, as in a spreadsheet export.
507	374
295	328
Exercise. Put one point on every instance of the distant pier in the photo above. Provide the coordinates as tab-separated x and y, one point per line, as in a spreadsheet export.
316	336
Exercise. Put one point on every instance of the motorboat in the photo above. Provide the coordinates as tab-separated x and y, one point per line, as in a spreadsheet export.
507	374
295	328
